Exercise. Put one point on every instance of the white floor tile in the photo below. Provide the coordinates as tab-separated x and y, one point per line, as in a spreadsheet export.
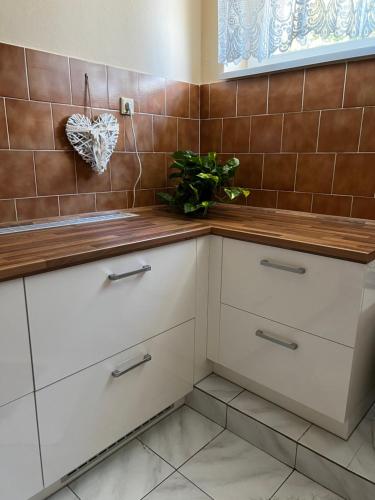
180	435
299	487
64	494
177	487
130	473
220	388
230	468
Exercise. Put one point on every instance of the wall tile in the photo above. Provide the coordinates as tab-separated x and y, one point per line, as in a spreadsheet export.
204	101
301	131
285	92
339	130
30	124
177	99
265	199
252	96
55	172
60	115
223	99
37	208
360	89
122	83
13	80
154	174
16	174
294	201
49	78
124	171
236	135
194	101
143	198
364	208
7	211
152	94
355	174
332	205
97	74
249	173
266	133
279	171
77	204
88	181
165	133
315	173
111	201
368	130
143	133
324	87
211	131
188	135
3	127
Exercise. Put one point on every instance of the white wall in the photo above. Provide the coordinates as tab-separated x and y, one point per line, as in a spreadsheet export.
162	37
210	67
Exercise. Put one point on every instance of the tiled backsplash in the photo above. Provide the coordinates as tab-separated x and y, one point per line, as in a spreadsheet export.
305	138
41	176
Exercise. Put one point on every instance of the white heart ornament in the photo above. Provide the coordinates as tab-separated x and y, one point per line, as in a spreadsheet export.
94	141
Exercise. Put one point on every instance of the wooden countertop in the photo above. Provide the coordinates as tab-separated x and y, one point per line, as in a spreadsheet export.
29	253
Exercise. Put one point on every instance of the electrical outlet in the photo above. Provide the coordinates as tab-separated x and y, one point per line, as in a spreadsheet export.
126	106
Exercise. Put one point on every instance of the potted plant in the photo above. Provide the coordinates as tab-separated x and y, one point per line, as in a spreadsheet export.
203	182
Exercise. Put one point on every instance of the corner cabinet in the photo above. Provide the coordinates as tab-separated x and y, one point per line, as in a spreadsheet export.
295	328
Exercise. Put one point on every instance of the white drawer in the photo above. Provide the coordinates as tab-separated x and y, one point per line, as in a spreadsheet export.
83	414
15	362
315	374
79	317
325	300
20	469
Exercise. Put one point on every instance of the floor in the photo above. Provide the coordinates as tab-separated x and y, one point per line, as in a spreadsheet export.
187	456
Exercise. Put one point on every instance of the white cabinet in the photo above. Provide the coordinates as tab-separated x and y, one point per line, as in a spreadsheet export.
15	363
316	294
79	317
310	370
86	412
20	468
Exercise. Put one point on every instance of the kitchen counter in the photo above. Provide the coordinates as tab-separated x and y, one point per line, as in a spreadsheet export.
34	252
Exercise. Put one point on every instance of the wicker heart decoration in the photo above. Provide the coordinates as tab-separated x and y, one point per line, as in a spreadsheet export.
94	141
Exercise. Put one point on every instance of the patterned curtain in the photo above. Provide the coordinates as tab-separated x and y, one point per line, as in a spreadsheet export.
258	28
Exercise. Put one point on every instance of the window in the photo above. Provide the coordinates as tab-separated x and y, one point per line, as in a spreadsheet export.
257	36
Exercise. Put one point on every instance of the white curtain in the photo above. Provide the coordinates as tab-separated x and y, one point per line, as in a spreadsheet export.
258	28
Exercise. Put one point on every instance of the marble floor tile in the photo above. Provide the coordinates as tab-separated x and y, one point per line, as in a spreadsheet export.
332	447
270	414
299	487
209	406
334	477
180	435
261	436
64	494
363	462
130	473
230	468
177	487
219	387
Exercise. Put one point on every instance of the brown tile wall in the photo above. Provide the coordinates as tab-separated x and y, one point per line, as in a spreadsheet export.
41	176
305	138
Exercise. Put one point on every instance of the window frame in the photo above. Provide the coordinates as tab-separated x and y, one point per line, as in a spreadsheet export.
342	51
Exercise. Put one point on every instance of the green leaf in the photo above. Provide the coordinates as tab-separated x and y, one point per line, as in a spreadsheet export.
190	207
166	197
195	191
210	177
235	192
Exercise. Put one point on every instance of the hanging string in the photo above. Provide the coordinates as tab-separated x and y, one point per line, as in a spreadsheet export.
87	87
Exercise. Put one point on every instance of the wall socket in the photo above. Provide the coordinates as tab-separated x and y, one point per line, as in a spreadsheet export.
126	106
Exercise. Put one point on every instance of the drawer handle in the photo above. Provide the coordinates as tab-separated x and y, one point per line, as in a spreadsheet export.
115	277
283	267
130	365
285	343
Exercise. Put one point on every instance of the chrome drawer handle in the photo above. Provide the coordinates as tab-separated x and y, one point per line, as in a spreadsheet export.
130	365
284	343
283	267
115	277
